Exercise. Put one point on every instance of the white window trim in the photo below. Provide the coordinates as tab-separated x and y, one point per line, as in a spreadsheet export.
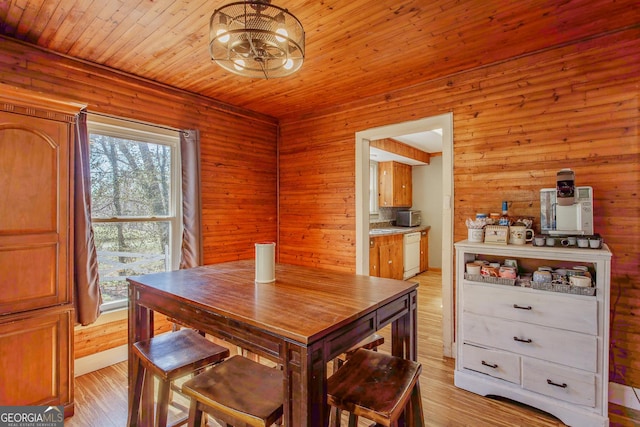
137	131
373	186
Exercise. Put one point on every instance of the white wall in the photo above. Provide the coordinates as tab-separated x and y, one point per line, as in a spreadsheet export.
427	197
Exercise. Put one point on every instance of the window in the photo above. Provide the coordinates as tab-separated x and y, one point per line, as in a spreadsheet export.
135	202
373	188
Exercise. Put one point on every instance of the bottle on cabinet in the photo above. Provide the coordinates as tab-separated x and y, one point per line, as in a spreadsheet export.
504	218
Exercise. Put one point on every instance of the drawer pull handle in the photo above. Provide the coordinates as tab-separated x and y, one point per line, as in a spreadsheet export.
563	385
528	340
494	366
522	307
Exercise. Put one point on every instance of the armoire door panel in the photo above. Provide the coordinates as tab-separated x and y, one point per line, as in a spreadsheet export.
30	160
29	278
34	212
36	370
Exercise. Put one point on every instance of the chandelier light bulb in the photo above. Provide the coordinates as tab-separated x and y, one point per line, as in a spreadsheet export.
222	29
223	36
239	64
283	32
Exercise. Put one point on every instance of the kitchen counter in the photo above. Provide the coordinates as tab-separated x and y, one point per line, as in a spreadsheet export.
386	231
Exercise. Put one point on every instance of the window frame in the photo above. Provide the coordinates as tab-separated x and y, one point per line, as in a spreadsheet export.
141	132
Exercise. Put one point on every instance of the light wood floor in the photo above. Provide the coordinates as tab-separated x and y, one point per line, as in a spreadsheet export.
101	396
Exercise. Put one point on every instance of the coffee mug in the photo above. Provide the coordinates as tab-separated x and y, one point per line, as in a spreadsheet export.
539	240
476	235
542	276
507	272
473	268
594	243
583	242
581	281
519	234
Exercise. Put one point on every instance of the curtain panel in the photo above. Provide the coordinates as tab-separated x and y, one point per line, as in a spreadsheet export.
87	283
191	254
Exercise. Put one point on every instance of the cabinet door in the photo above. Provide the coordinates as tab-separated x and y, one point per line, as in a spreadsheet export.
391	260
403	185
35	358
34	213
424	251
394	184
374	258
385	184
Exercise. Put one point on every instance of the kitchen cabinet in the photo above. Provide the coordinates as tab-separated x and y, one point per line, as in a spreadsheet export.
394	184
542	348
36	266
385	256
424	250
374	257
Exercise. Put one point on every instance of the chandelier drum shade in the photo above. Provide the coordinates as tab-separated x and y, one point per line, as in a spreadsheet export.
256	39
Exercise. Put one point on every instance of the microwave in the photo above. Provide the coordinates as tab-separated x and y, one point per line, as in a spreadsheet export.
408	218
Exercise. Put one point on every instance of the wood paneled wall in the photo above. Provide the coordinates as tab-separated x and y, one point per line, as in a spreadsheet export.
238	148
515	124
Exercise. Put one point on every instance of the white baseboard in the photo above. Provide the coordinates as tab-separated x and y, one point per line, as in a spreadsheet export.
624	395
96	361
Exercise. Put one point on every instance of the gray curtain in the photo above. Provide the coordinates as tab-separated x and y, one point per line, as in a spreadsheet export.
191	255
87	284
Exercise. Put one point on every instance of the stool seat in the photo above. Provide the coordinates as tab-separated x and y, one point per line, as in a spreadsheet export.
377	387
170	356
372	342
237	391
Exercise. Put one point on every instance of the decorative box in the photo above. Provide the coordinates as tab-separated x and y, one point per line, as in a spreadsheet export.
496	234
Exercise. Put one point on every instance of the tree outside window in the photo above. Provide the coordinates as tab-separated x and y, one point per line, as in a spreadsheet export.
134	205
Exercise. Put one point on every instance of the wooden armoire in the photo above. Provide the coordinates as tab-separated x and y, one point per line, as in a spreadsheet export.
36	261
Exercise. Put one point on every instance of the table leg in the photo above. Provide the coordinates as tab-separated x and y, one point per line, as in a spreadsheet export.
140	328
404	333
404	343
305	379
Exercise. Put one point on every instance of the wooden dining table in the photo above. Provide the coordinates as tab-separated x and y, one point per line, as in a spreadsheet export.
303	320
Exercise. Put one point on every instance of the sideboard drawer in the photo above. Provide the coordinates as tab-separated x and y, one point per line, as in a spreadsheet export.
559	382
499	364
564	311
559	346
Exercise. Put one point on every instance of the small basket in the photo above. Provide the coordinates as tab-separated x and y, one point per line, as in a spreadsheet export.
490	279
580	290
524	283
563	288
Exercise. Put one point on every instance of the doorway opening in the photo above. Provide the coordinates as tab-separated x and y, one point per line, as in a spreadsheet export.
444	122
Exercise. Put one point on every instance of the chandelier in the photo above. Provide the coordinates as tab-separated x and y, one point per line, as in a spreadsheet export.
256	39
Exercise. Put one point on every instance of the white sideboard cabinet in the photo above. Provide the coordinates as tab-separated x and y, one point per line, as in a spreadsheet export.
544	348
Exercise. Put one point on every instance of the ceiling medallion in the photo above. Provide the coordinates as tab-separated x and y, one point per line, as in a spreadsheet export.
256	39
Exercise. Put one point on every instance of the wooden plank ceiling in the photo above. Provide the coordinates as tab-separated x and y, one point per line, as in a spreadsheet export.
355	49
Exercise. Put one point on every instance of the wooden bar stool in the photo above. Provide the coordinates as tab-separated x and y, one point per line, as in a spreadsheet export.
372	342
377	387
238	392
169	357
